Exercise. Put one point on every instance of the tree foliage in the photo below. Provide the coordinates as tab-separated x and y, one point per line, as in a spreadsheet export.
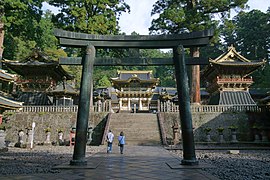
20	19
178	16
89	16
26	28
252	38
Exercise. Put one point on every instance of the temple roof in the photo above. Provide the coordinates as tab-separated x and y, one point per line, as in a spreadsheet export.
63	88
34	98
9	104
37	64
4	76
141	76
231	63
232	98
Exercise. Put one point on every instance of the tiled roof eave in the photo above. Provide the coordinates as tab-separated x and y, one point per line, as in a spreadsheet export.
238	64
10	104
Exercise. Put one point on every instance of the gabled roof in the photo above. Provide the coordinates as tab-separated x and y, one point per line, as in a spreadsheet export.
141	76
4	76
9	104
232	98
63	88
233	58
231	63
230	56
125	75
38	64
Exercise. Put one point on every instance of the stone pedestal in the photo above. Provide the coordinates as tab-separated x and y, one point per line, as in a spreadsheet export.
3	147
257	138
208	137
234	138
256	135
48	139
72	138
264	136
20	142
89	135
221	138
60	138
176	134
28	137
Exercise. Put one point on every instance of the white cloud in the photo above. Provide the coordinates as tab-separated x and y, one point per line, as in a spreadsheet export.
46	6
262	5
139	19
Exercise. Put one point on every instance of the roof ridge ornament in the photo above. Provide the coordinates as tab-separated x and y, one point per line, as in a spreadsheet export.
231	47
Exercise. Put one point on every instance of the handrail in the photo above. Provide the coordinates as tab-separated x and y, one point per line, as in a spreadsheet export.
106	129
162	128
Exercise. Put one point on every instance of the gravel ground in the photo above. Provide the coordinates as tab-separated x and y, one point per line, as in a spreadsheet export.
38	160
247	165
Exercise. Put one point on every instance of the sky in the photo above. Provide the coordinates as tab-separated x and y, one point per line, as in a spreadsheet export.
139	19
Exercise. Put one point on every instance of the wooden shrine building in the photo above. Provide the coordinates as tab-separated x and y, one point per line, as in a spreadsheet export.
228	78
134	90
36	73
6	99
64	94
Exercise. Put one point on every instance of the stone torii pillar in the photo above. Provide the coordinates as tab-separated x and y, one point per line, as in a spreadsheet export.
189	157
84	105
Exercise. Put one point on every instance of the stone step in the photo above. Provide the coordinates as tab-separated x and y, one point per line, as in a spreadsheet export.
139	128
132	126
140	142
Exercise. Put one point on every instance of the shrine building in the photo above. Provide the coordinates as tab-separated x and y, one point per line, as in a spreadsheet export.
38	79
228	78
6	99
134	90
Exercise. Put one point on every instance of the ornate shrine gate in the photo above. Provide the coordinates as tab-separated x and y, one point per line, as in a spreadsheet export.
89	42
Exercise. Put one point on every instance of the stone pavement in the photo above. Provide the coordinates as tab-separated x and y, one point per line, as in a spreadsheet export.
137	162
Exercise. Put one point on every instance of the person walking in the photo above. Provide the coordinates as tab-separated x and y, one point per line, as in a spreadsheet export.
121	143
110	138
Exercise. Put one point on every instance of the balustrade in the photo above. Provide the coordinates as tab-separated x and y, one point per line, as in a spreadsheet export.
163	107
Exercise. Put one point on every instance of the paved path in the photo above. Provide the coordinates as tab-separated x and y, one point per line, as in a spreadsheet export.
137	162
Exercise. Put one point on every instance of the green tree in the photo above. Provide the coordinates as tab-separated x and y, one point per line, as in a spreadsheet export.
252	38
92	17
26	27
253	34
104	82
19	19
89	16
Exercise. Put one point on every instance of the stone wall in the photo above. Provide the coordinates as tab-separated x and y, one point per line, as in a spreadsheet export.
213	121
67	120
53	120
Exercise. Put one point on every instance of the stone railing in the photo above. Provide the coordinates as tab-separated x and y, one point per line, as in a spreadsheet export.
49	109
164	107
171	107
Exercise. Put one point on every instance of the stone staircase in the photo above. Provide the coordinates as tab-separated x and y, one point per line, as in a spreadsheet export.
139	128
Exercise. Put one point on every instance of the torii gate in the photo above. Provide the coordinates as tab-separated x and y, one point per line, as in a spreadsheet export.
89	42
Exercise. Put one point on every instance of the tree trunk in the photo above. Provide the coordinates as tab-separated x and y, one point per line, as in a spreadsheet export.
1	39
195	78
